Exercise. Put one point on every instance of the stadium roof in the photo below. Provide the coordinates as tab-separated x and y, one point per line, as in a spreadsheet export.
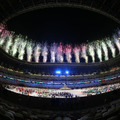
12	8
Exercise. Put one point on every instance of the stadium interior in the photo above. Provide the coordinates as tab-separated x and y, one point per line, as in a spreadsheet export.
57	81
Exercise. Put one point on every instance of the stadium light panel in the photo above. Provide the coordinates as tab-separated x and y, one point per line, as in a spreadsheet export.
67	72
58	72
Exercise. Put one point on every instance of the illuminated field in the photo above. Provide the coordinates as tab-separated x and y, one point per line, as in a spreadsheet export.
63	92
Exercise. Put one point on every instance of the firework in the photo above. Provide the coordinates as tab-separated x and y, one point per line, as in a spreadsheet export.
2	40
15	45
117	41
99	50
8	43
29	51
2	27
68	50
105	50
91	51
21	49
37	52
60	53
84	52
44	52
4	35
53	51
76	51
111	46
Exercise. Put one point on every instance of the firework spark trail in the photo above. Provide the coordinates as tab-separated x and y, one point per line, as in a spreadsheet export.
99	51
8	43
117	42
37	53
76	51
105	50
91	51
111	46
68	50
21	49
53	50
15	45
29	51
60	53
44	52
84	52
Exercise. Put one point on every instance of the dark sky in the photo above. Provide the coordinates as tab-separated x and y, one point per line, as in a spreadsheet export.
67	25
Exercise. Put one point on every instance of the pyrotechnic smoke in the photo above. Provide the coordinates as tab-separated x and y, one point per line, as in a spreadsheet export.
68	50
8	43
84	52
44	52
37	52
15	45
29	51
111	46
105	50
91	51
60	53
21	49
53	50
76	51
117	41
99	50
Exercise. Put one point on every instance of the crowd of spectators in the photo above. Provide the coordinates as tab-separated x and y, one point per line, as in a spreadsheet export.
55	83
19	73
102	89
10	111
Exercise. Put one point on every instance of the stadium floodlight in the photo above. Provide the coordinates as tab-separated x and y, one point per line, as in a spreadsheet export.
58	72
67	72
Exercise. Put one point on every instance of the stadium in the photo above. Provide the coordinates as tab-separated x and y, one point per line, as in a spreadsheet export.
59	80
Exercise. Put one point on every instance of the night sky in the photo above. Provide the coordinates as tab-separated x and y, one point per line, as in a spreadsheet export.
67	25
